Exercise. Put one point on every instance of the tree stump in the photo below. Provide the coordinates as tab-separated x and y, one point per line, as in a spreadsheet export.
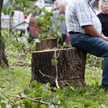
3	59
70	67
49	43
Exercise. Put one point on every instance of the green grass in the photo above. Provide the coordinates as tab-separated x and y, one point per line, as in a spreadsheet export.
17	77
14	80
93	75
90	96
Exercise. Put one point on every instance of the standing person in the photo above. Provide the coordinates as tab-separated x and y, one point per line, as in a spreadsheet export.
63	29
84	28
103	16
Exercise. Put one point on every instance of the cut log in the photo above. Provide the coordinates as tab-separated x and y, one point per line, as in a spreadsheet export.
3	59
71	66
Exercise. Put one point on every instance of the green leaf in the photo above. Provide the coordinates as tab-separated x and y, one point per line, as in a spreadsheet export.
58	28
54	62
34	83
58	91
3	105
4	10
0	99
26	91
12	13
55	101
47	99
52	106
44	87
72	88
54	56
43	9
44	94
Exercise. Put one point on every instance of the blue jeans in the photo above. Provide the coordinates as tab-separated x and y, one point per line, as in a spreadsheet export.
95	46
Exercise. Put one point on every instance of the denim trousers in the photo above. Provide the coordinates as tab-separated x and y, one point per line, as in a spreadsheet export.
95	46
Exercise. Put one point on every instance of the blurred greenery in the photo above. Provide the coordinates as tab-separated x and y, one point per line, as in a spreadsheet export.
15	81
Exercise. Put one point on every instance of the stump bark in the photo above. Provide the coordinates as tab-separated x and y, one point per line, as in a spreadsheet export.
70	67
46	44
3	59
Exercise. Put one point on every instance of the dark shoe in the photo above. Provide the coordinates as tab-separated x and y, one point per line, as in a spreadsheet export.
104	87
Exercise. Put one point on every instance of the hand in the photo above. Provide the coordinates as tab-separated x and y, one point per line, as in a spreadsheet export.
105	38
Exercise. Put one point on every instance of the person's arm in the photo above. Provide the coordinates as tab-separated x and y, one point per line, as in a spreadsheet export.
91	30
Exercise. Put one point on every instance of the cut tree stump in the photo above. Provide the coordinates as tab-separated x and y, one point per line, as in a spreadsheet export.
3	59
70	67
44	44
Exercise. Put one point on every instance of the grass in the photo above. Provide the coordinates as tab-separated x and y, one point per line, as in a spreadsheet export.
14	80
88	97
17	77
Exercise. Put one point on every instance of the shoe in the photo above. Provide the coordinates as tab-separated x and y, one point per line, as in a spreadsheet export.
104	87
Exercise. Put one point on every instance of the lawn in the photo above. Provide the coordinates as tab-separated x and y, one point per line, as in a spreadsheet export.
16	79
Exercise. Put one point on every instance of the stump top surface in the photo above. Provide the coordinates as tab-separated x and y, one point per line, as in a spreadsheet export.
57	49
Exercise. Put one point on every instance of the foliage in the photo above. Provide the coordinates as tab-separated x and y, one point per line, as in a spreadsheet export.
17	5
15	81
17	44
94	61
45	22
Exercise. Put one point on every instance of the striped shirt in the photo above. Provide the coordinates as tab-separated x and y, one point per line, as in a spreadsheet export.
79	13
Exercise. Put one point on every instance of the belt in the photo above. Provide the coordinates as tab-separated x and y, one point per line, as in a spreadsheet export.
71	32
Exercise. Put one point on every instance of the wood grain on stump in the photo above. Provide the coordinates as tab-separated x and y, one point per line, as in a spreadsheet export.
46	44
71	66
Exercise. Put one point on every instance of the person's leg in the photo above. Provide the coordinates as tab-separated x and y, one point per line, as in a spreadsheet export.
95	46
61	41
64	37
105	72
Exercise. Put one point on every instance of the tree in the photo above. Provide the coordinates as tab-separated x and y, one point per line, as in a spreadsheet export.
1	3
22	5
3	60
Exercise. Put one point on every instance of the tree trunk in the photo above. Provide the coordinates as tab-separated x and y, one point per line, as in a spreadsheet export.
3	60
70	67
1	3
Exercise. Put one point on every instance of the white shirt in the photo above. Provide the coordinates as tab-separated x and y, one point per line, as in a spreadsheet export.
79	13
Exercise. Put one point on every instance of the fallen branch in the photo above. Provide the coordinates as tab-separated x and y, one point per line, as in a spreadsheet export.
7	98
21	97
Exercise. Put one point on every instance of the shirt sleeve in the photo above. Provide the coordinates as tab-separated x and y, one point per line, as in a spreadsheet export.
83	14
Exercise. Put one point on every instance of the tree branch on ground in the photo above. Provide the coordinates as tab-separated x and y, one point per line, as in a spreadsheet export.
21	97
7	98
